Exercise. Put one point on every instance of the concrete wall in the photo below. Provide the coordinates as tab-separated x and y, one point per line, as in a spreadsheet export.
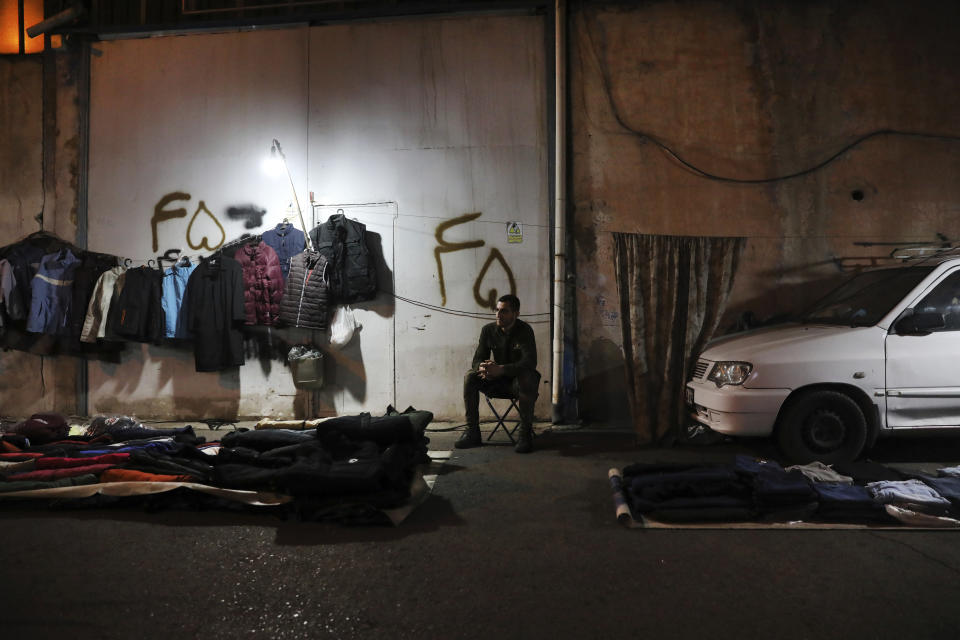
753	90
436	119
404	125
39	174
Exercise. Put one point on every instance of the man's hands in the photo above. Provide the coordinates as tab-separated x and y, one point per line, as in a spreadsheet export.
490	370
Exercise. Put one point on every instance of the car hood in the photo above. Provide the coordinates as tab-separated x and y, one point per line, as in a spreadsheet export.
793	341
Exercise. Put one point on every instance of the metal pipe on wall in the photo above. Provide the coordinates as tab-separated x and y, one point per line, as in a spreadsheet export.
560	209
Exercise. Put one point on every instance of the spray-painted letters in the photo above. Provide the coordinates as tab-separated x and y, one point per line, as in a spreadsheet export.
445	246
162	214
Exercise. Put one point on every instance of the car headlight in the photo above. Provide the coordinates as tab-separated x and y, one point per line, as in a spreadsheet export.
730	373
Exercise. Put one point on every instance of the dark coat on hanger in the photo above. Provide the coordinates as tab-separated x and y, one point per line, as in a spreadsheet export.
137	313
304	302
287	241
215	314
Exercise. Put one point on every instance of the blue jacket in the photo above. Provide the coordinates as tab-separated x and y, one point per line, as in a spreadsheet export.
174	302
51	293
287	241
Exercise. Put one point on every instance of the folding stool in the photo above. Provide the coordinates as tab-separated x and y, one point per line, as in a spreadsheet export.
502	417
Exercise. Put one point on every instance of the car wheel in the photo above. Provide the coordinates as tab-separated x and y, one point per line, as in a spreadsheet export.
827	426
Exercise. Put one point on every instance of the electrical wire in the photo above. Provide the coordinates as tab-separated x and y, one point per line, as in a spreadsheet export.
605	78
481	315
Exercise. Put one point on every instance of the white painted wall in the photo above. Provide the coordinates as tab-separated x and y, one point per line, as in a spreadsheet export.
404	125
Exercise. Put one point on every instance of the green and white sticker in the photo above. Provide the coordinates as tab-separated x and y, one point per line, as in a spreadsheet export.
514	232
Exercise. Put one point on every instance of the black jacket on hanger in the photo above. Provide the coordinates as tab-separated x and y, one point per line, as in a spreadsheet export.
138	313
216	313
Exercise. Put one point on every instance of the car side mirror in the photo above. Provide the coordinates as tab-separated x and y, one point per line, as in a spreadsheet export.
919	324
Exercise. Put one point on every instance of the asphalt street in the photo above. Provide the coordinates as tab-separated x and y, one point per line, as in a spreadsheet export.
506	546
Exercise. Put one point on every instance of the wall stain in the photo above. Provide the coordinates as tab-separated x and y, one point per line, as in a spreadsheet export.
251	215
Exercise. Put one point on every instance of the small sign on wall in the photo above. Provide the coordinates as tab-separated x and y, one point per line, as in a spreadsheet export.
514	232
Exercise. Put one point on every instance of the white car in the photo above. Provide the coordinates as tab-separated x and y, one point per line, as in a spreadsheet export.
878	356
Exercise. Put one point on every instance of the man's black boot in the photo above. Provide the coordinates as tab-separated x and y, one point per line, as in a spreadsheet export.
470	438
524	440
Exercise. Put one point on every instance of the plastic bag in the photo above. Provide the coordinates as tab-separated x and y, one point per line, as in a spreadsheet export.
342	327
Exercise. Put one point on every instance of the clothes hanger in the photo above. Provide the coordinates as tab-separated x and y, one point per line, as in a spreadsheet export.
170	255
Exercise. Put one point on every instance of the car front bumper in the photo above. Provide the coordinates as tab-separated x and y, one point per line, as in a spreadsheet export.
734	410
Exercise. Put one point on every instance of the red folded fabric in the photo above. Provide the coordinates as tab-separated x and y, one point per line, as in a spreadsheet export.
23	455
52	462
53	474
132	475
8	447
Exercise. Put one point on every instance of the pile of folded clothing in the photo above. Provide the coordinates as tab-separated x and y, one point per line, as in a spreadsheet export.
755	489
368	463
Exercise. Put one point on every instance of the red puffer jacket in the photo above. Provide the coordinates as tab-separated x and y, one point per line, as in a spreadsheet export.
262	283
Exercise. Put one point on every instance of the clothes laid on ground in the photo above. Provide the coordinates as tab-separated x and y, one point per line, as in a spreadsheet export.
41	428
840	502
819	472
907	492
32	485
920	519
754	489
948	487
365	462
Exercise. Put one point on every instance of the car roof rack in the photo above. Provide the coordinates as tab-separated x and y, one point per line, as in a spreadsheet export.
925	253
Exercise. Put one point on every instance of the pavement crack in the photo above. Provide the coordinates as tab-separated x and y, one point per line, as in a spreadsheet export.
903	543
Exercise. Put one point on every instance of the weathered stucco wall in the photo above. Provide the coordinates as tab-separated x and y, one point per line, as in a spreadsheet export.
750	90
38	190
431	131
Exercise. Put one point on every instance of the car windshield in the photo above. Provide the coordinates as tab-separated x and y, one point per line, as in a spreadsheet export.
865	298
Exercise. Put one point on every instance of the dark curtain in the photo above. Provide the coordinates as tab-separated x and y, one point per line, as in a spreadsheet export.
673	290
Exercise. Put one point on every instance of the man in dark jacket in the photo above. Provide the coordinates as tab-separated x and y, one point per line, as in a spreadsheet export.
512	371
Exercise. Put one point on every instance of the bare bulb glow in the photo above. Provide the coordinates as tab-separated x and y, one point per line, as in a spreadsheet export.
272	165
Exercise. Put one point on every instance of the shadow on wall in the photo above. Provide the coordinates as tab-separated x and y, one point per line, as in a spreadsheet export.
779	303
603	395
344	368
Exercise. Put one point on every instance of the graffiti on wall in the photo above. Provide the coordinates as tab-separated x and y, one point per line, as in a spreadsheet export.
446	246
202	218
251	215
